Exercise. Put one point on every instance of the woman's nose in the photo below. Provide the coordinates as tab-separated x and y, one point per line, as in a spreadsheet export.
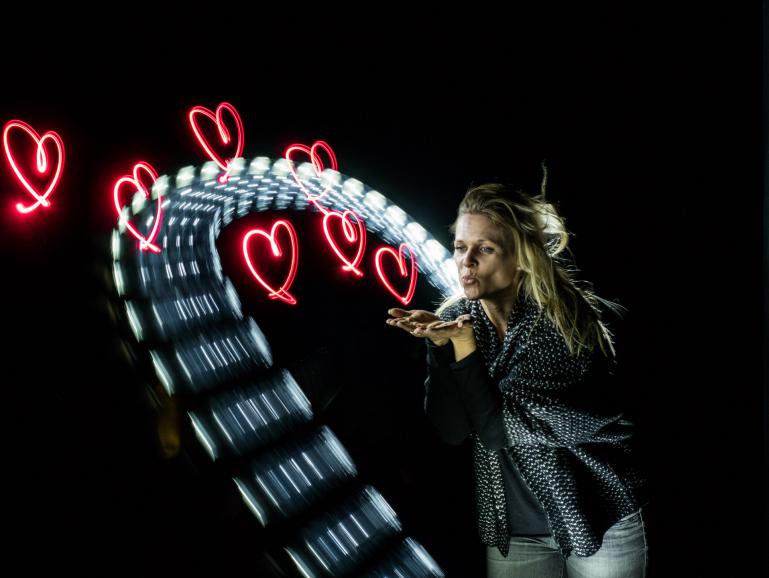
468	259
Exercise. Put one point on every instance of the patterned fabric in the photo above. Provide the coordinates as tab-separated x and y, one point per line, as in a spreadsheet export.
571	447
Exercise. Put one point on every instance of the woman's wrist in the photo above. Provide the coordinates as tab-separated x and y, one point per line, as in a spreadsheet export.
463	346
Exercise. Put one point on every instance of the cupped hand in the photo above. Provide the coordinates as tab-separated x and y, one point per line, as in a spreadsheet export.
421	323
410	320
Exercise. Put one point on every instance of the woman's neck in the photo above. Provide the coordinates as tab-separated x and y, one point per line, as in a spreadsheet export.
498	311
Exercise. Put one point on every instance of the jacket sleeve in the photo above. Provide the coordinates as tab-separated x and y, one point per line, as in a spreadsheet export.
548	399
443	404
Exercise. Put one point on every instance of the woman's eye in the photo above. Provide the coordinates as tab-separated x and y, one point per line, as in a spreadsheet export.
458	248
487	249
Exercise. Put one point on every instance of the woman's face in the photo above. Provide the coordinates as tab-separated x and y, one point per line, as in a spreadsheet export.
485	263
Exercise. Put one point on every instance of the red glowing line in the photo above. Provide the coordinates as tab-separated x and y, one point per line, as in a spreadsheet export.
351	235
317	165
145	244
41	161
224	134
402	266
305	149
281	293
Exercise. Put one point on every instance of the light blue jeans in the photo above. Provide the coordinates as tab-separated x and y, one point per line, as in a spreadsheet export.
623	554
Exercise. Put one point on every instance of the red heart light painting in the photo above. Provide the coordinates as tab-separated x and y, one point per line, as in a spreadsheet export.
225	135
137	186
317	164
399	256
47	169
281	293
351	235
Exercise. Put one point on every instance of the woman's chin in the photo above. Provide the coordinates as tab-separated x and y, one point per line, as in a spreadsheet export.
471	291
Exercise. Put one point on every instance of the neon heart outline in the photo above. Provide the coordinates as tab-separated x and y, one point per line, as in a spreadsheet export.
349	265
281	293
41	162
144	243
399	256
224	134
317	165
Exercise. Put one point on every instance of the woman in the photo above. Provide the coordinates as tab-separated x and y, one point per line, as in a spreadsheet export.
519	364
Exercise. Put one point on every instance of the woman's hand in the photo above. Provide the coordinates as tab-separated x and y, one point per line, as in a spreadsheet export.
410	320
422	323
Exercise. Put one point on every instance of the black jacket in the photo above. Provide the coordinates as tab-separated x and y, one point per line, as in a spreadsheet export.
553	413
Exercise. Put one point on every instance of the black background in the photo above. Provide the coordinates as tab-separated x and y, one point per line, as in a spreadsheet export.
649	121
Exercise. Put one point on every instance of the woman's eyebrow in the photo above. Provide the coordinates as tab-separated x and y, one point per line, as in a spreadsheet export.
481	240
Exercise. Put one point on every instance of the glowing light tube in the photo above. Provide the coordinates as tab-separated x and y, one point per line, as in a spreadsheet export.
297	475
228	365
187	310
246	418
217	357
336	544
408	560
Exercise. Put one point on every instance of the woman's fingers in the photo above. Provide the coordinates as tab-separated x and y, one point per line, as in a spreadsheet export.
423	323
396	312
414	315
442	328
447	328
405	325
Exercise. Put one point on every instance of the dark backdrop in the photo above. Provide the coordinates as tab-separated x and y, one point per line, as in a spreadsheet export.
649	123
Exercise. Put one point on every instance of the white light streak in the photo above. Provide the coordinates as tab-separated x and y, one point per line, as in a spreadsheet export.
160	187
184	367
281	167
338	542
416	232
209	171
251	502
347	533
266	490
396	215
236	166
289	478
300	565
330	178
305	170
222	428
355	521
118	276
375	201
162	373
115	245
138	201
184	178
133	321
435	251
300	472
259	166
203	436
353	188
312	465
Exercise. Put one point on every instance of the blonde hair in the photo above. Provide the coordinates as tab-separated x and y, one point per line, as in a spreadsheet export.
539	237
